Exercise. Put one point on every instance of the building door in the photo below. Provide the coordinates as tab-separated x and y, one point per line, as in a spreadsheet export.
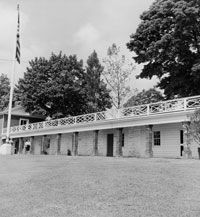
181	143
110	145
16	146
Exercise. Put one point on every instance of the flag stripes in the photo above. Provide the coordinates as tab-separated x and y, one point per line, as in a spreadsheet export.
17	56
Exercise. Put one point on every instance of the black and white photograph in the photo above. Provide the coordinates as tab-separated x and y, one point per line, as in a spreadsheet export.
100	108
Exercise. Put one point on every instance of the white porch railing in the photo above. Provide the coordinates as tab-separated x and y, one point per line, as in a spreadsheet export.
182	104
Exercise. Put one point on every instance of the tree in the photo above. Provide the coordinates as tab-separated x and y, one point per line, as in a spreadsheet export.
117	74
96	90
167	42
192	132
145	97
4	91
194	126
53	87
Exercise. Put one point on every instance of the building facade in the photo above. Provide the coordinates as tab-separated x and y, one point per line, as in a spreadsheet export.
19	118
153	130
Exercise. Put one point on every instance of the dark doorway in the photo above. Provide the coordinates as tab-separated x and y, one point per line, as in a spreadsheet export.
181	150
16	146
181	142
110	145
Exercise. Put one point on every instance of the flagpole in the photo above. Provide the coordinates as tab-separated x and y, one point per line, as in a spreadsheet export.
12	84
10	101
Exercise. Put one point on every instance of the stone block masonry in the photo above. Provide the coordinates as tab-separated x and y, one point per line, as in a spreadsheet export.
137	142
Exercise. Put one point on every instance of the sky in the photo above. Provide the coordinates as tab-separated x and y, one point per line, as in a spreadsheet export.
71	26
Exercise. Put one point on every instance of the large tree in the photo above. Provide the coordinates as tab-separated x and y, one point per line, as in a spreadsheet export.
4	91
98	97
167	42
117	75
194	126
145	97
53	87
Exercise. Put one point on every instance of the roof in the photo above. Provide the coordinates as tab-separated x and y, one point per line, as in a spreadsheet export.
20	111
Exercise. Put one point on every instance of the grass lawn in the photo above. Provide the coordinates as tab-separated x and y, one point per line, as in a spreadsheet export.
51	186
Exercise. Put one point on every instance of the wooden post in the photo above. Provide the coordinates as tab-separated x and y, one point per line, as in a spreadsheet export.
42	144
58	143
95	143
75	144
32	145
149	141
119	143
20	145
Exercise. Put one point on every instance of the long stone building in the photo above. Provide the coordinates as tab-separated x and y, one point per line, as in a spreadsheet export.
152	130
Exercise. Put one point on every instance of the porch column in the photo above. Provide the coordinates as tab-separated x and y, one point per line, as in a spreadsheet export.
32	145
187	139
42	144
75	144
119	142
95	142
58	143
20	145
149	141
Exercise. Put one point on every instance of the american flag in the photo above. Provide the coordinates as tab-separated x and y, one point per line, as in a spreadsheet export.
17	56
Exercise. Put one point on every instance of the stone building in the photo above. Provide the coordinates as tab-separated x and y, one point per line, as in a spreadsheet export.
153	130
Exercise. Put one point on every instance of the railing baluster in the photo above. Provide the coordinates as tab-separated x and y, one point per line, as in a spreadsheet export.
58	122
118	113
148	109
185	103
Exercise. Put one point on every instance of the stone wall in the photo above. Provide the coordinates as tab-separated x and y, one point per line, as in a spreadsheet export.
37	142
85	143
66	143
53	144
134	142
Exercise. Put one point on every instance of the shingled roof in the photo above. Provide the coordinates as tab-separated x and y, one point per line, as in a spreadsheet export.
20	111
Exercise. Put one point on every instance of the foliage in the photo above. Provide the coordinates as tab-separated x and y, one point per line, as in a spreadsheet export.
98	97
194	126
145	97
4	91
53	87
117	74
167	41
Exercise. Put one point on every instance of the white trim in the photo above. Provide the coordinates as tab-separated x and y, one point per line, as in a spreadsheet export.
23	119
111	124
163	112
156	138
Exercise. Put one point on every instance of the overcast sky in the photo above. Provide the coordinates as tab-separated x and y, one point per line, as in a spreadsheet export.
71	26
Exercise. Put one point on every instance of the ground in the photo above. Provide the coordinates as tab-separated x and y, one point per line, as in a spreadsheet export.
51	186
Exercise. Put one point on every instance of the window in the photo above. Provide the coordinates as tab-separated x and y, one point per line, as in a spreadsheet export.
156	138
181	137
23	121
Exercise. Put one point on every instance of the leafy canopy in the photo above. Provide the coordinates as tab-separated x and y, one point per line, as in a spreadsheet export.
194	126
145	97
98	97
117	74
53	87
167	41
4	91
